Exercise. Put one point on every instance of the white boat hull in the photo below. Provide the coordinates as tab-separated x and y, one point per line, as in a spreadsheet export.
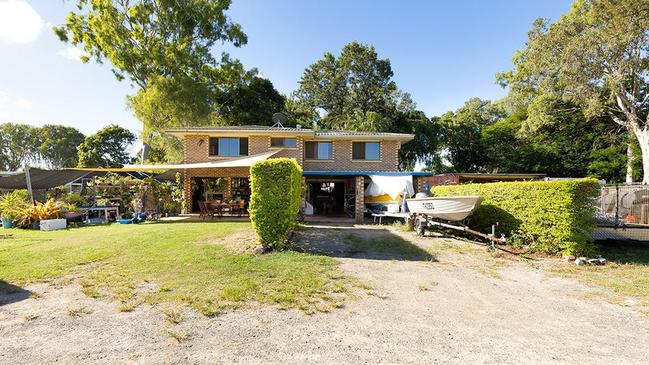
449	208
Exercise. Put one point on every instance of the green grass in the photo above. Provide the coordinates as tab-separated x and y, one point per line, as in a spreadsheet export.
626	272
387	246
183	260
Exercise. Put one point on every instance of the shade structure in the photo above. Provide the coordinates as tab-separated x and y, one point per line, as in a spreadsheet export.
40	179
235	162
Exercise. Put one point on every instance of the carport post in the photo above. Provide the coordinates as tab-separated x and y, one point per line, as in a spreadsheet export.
28	179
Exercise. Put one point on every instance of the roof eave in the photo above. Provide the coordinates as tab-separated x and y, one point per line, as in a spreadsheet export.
232	132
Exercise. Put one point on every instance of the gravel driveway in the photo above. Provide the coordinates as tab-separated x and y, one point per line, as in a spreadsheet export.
454	304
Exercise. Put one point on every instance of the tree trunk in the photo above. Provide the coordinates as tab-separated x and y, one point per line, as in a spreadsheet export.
643	139
629	163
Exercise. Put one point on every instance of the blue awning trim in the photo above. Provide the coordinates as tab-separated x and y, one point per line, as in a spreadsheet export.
364	173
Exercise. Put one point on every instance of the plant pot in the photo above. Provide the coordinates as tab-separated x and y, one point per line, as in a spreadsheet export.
6	223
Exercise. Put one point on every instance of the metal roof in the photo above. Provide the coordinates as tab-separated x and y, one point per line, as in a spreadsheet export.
361	134
247	129
264	130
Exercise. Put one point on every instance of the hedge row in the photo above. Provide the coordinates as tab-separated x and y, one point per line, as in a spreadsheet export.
554	217
275	186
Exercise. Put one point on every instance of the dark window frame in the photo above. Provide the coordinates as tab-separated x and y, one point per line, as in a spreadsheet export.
360	153
283	139
214	142
312	153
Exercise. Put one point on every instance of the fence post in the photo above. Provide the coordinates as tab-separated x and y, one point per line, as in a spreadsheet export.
617	204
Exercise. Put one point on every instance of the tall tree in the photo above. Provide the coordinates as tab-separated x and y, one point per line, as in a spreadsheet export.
461	131
18	146
106	148
597	56
58	145
561	141
250	103
144	39
355	91
350	86
166	48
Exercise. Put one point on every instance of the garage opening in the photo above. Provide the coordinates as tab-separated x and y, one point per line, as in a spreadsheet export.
331	197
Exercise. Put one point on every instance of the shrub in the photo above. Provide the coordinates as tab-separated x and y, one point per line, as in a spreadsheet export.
11	204
38	212
551	216
74	199
275	186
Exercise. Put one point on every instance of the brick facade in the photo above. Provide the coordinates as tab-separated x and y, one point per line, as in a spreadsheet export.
196	149
342	159
360	199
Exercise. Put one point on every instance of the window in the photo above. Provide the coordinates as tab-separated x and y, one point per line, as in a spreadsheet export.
228	147
318	150
366	150
283	142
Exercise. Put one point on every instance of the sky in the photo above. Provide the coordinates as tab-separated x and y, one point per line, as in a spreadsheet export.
442	52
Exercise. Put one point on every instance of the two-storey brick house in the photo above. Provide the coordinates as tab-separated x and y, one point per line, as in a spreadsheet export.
334	163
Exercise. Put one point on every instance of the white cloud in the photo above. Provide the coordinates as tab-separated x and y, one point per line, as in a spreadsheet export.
10	104
19	22
23	103
72	53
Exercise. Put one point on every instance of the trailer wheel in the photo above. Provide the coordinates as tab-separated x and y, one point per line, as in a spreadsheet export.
420	227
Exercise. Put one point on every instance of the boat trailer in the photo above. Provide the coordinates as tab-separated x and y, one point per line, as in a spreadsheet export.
422	222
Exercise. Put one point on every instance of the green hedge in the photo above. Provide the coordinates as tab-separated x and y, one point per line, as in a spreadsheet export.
275	186
554	217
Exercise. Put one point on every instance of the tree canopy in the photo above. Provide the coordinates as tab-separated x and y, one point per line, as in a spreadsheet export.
595	56
57	146
106	148
146	39
52	146
355	91
167	49
461	133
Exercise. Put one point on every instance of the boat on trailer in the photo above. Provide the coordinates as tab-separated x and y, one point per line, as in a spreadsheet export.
447	212
448	208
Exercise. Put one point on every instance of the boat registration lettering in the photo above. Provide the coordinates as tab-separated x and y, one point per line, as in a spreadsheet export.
430	206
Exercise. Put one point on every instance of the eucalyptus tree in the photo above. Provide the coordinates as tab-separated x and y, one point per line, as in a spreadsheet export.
596	56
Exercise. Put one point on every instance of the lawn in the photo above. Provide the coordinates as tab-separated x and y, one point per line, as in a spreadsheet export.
190	263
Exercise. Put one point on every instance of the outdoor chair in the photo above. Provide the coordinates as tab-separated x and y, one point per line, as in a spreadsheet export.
237	207
216	208
211	210
201	207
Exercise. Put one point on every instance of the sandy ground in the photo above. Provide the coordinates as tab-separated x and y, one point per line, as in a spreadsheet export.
460	306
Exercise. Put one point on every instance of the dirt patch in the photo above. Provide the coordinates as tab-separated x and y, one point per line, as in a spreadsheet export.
465	306
243	241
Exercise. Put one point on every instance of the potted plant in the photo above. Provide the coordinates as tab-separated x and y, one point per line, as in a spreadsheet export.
11	206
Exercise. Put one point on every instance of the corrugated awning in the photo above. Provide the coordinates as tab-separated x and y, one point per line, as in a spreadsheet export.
236	162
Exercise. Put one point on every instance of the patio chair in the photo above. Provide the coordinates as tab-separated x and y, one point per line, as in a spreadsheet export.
203	210
237	207
217	208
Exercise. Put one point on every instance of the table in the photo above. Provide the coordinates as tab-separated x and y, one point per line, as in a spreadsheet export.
105	209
